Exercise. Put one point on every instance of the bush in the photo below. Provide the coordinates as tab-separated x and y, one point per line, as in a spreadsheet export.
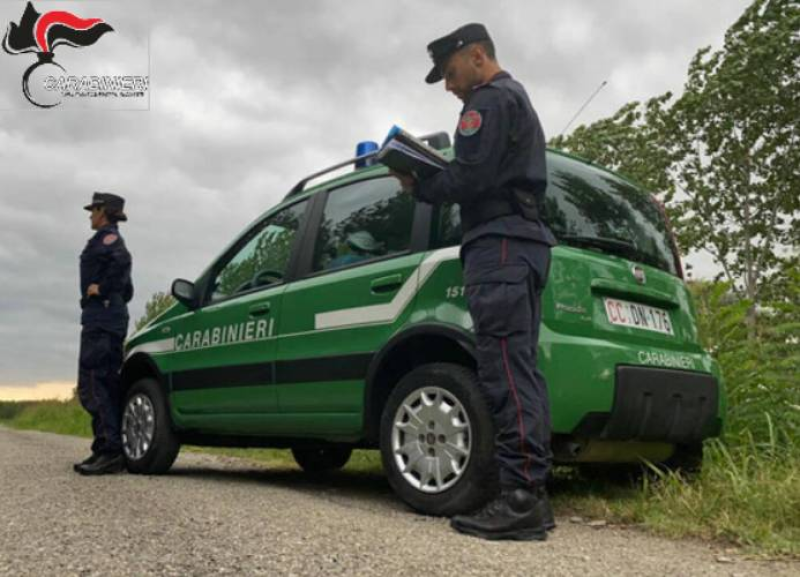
10	409
761	373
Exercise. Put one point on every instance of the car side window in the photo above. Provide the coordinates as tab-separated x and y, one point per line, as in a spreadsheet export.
263	259
446	226
363	221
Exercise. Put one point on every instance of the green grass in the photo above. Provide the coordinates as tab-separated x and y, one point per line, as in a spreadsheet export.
747	495
361	461
65	418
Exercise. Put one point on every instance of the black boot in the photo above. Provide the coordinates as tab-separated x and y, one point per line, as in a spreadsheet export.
516	514
104	465
88	461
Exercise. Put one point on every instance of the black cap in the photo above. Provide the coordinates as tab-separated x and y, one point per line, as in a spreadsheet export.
441	49
114	204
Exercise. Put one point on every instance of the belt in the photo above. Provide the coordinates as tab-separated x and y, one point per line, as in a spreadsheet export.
512	202
485	211
105	301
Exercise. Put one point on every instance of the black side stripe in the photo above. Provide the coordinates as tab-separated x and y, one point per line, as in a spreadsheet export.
338	368
218	377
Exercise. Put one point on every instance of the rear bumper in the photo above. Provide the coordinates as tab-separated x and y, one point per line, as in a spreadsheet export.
657	405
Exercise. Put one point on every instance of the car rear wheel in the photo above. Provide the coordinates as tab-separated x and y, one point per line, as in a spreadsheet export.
437	440
687	460
614	473
321	459
148	441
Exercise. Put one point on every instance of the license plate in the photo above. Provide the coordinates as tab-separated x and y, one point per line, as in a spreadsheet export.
638	316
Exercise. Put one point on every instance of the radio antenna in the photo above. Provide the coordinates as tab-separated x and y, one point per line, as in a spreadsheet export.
585	104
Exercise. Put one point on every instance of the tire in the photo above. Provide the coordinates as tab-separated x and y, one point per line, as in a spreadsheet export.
460	445
321	459
148	441
613	473
687	460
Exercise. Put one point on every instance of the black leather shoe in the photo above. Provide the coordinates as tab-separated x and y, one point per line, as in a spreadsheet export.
517	514
104	465
88	461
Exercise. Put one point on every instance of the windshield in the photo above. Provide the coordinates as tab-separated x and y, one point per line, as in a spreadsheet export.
591	208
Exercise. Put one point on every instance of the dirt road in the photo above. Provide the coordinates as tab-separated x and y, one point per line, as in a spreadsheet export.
217	516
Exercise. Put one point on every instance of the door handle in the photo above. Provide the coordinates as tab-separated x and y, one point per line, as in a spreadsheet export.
259	310
386	284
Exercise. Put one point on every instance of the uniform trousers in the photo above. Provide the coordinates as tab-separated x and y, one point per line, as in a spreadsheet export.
99	386
504	278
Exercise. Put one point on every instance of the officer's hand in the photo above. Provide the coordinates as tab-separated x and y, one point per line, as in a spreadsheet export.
406	180
93	290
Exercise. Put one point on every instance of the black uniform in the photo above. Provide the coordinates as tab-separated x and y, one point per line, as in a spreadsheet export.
106	262
498	175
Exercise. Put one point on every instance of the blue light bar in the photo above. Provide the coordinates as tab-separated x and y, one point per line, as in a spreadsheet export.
363	148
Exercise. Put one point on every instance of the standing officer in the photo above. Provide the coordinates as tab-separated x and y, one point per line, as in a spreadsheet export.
498	178
106	289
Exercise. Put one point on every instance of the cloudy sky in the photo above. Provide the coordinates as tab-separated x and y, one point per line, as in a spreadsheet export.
246	98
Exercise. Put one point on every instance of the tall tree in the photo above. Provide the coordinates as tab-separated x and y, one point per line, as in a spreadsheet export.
158	303
734	137
725	154
630	142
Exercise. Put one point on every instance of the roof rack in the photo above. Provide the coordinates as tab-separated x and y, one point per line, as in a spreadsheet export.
437	140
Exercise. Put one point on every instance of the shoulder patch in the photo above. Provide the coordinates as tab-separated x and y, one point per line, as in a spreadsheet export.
470	123
110	239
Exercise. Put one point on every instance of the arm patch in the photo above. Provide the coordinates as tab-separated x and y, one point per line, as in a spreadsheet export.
475	135
110	239
470	123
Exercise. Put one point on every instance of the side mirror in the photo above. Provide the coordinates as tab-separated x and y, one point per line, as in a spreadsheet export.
184	292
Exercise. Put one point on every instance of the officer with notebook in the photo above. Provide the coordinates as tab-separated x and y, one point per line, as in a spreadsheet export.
498	178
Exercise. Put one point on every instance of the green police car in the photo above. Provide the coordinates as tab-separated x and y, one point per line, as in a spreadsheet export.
337	320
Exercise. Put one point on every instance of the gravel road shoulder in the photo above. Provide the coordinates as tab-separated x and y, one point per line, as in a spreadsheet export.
214	516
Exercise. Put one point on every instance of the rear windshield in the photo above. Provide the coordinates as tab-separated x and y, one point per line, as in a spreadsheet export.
590	208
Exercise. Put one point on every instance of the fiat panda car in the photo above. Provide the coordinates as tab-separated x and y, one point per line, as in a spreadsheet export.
337	320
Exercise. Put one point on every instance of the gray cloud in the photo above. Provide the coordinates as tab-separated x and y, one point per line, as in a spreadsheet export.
248	97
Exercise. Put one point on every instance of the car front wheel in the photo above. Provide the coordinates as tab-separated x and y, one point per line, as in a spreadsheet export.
148	441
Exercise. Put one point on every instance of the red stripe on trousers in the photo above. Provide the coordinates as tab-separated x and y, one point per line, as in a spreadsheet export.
512	386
